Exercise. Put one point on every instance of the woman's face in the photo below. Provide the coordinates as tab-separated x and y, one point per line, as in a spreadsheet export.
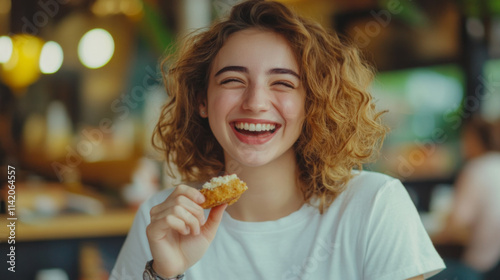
255	98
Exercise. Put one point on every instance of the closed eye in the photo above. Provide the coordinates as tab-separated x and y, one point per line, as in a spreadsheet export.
230	80
286	84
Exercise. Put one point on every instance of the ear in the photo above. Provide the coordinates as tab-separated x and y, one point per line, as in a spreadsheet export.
203	109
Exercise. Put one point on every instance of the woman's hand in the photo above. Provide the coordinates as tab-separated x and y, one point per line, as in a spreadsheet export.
178	234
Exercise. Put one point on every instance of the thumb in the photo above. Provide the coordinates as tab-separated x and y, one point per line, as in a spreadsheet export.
213	221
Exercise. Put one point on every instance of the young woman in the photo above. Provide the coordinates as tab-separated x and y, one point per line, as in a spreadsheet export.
282	103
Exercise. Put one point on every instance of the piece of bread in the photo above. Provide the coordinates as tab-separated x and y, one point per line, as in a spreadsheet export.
222	189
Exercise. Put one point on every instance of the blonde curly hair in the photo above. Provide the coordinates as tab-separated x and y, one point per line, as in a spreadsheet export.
342	129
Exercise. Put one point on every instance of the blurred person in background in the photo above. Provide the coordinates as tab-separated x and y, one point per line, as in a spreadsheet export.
475	214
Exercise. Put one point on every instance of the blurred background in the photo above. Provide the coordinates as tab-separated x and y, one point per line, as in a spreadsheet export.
81	90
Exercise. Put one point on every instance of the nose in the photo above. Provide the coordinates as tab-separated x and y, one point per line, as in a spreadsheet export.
256	99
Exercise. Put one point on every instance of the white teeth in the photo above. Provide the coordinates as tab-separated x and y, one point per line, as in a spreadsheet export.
255	127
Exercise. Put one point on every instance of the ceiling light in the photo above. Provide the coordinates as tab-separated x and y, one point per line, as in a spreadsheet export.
51	57
96	48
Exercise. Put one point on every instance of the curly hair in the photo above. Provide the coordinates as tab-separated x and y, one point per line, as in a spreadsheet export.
342	129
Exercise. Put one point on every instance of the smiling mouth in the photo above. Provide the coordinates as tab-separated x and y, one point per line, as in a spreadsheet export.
255	129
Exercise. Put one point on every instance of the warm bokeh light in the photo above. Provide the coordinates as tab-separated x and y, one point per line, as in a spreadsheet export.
51	57
5	49
96	48
22	68
131	8
5	7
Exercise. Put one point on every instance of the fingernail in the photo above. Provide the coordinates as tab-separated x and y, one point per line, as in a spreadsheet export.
187	230
201	198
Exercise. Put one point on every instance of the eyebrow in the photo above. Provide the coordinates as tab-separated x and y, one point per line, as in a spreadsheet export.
232	68
283	71
245	70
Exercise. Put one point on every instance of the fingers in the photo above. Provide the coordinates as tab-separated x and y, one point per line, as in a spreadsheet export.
176	218
192	224
189	192
181	190
177	224
213	221
179	212
195	209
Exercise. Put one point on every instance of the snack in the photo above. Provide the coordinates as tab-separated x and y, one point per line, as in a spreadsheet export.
222	189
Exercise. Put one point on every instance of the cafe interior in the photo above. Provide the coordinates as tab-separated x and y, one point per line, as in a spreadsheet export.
81	91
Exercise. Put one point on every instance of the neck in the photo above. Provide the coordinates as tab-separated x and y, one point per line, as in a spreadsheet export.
273	191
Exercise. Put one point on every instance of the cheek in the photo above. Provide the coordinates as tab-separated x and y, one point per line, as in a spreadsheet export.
219	105
292	108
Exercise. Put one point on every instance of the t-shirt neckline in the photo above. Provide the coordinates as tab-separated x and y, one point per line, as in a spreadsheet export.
293	220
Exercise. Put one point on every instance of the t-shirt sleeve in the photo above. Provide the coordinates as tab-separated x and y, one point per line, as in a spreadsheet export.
135	251
397	245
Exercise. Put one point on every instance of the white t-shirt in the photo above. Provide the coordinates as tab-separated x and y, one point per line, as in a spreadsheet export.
371	231
477	206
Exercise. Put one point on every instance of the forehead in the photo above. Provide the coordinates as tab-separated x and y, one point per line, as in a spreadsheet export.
256	49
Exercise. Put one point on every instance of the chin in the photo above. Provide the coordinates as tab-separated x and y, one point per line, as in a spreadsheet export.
251	160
